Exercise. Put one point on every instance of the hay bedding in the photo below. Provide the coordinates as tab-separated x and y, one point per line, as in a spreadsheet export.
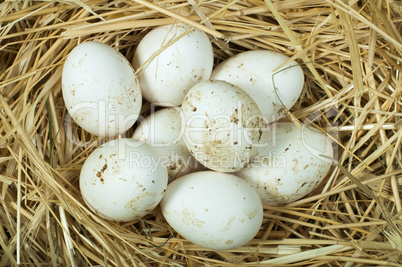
351	54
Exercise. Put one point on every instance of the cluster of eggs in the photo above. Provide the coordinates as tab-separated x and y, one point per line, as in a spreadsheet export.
213	155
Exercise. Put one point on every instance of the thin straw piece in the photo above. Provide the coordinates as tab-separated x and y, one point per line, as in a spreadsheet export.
311	254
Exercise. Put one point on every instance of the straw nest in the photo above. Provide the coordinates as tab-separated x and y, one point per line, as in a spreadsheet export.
351	54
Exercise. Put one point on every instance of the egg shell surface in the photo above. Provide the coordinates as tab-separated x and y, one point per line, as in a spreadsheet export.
168	77
119	182
253	71
214	210
291	166
163	130
100	90
223	125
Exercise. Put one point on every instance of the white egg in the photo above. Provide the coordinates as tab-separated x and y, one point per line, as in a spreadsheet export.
224	127
291	166
253	71
120	180
214	210
168	77
100	90
163	130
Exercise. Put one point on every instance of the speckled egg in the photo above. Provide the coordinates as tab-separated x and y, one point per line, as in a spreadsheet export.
100	90
166	78
253	71
121	180
291	166
224	126
163	130
214	210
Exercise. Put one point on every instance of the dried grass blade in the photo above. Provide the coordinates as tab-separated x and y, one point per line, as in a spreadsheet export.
298	47
181	18
310	254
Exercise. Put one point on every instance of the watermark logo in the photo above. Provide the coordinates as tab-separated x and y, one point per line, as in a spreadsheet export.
221	130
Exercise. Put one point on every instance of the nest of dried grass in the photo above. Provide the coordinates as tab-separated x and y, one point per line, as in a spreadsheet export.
351	53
